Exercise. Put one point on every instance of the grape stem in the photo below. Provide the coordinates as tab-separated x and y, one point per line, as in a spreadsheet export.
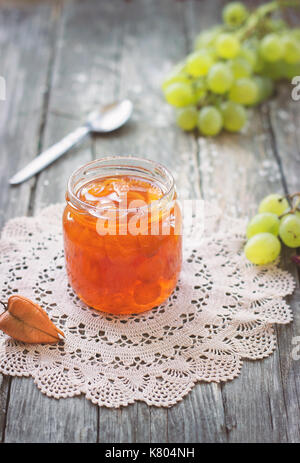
294	207
4	305
261	12
294	195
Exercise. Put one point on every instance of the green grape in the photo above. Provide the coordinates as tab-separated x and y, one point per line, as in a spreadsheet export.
289	230
240	67
227	45
220	78
274	203
275	25
291	70
199	63
263	248
259	64
274	71
210	121
234	116
235	14
177	74
291	52
266	222
187	118
207	38
250	55
200	88
174	79
271	47
265	88
179	94
296	33
244	91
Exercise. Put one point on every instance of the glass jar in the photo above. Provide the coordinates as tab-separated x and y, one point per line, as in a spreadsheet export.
122	234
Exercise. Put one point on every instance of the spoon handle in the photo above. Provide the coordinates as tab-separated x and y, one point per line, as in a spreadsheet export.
50	155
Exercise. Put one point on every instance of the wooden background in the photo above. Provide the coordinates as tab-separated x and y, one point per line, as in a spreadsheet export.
60	60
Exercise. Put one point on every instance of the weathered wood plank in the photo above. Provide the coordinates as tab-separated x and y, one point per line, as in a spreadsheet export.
79	82
199	418
25	46
96	59
284	117
238	170
4	391
254	410
33	417
289	355
252	172
151	134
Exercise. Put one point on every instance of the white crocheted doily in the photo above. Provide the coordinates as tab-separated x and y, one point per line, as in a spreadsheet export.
221	312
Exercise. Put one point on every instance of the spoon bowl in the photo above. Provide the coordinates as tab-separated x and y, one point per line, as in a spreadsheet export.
111	117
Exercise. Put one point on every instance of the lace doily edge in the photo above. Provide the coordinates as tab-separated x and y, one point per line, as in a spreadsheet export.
189	385
83	391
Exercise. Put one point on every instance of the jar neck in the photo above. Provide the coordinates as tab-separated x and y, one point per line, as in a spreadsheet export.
121	166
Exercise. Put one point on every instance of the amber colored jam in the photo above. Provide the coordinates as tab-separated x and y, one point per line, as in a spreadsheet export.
129	272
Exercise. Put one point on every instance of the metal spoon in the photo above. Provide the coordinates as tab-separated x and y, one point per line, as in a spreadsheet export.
109	118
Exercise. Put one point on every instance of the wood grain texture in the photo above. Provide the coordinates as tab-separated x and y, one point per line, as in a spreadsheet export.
61	60
239	170
26	45
284	116
149	135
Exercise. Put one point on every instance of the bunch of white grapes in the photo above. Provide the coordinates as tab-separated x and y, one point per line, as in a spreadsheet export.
278	220
233	66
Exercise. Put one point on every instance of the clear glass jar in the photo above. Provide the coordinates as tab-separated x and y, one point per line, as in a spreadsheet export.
122	234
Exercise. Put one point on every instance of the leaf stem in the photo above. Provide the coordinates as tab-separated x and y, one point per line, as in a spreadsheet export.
4	305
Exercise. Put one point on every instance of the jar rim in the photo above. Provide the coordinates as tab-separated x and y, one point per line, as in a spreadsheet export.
138	163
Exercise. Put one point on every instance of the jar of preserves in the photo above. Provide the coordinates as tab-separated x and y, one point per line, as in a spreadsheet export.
122	231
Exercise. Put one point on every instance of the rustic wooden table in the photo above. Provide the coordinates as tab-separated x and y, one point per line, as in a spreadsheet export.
61	59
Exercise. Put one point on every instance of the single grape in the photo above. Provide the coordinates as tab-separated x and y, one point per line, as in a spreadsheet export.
177	74
266	222
235	14
275	70
234	116
259	64
274	203
174	79
220	78
296	33
207	38
187	118
271	47
179	94
249	54
227	45
262	248
289	230
275	25
200	88
199	63
291	52
240	67
291	70
210	121
265	88
244	91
